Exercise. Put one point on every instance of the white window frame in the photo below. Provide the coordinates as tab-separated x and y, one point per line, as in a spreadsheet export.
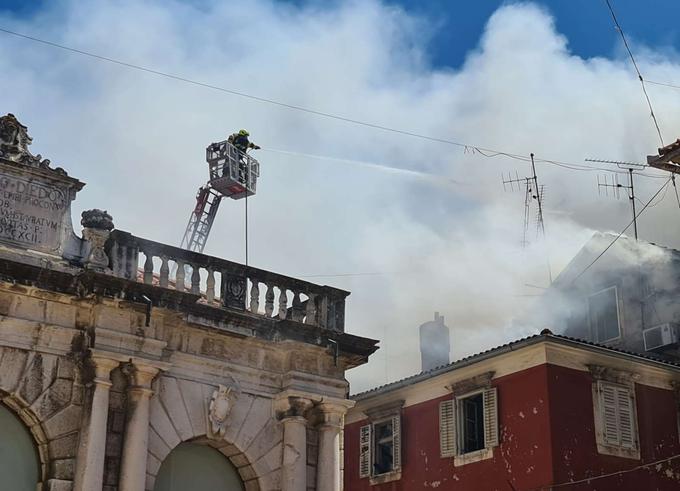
593	329
367	450
451	427
617	416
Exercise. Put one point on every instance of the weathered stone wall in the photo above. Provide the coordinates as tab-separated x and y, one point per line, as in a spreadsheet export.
45	375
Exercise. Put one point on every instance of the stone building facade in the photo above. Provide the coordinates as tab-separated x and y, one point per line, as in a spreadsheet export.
123	359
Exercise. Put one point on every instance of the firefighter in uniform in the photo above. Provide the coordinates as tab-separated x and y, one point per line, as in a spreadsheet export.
243	144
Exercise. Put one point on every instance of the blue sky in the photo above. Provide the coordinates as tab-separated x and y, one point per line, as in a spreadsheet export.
457	25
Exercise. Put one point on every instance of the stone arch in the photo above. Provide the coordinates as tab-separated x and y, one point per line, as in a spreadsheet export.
34	428
44	391
252	441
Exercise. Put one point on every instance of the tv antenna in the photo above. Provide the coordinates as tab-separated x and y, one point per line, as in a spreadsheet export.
533	191
613	187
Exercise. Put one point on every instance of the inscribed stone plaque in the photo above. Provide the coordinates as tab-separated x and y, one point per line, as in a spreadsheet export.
32	212
35	199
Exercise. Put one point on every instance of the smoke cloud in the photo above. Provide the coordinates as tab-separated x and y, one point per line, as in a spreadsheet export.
447	238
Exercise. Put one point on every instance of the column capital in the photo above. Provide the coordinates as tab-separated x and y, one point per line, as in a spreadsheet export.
141	373
330	412
103	366
292	407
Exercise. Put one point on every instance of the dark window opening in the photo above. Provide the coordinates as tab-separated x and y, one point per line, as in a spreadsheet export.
603	313
383	455
472	423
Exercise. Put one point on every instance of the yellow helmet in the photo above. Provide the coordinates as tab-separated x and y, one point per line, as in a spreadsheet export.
243	133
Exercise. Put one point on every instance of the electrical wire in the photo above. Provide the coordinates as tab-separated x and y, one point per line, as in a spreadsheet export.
485	152
620	233
637	69
603	476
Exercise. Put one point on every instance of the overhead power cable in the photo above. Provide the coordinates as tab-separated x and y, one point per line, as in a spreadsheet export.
622	232
611	474
637	70
485	152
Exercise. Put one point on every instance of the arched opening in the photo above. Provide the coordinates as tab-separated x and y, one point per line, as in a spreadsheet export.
196	466
19	462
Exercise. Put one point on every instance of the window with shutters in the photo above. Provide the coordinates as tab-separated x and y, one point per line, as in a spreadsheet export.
468	426
615	419
380	449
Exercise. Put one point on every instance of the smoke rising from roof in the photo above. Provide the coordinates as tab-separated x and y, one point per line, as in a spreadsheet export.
138	141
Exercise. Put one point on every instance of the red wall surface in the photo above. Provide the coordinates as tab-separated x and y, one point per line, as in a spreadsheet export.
575	450
547	436
524	457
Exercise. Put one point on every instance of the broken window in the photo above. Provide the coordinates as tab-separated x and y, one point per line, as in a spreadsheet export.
468	423
471	411
380	449
603	314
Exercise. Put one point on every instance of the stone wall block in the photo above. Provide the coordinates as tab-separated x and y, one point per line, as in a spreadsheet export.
29	308
63	468
40	374
160	422
64	447
59	485
270	461
12	366
196	405
271	435
113	318
63	422
56	397
247	472
66	368
152	464
260	413
173	403
238	415
157	446
61	314
150	482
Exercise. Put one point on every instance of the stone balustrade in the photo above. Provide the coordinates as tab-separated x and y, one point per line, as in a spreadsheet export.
225	284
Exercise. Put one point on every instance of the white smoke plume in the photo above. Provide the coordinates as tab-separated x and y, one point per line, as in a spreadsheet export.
138	141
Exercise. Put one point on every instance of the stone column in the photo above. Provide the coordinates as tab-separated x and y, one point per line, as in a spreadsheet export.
328	463
89	471
136	440
294	468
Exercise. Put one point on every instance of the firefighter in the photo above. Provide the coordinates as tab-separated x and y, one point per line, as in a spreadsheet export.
241	142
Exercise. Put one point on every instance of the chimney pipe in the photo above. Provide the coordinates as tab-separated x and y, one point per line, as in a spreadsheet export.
434	343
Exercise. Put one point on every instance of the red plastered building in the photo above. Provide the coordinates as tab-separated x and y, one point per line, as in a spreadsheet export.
543	413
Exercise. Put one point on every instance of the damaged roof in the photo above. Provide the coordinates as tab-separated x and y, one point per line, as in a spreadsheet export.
545	335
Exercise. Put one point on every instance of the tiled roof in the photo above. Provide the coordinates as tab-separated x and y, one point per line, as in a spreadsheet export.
529	340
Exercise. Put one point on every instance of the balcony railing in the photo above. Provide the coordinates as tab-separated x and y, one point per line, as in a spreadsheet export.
226	284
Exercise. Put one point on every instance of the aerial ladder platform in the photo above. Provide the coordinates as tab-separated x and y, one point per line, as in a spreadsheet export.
233	174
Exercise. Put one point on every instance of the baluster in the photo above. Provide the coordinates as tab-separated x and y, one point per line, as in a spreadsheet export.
255	296
165	272
179	276
148	269
210	286
195	280
283	303
297	307
269	300
310	316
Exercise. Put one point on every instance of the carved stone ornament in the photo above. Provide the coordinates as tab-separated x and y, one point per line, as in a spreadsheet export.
98	225
221	403
99	219
14	142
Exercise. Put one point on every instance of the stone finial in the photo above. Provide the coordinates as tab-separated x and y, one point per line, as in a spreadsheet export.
14	142
97	227
97	219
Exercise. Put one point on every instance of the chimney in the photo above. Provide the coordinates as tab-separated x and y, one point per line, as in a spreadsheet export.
434	343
